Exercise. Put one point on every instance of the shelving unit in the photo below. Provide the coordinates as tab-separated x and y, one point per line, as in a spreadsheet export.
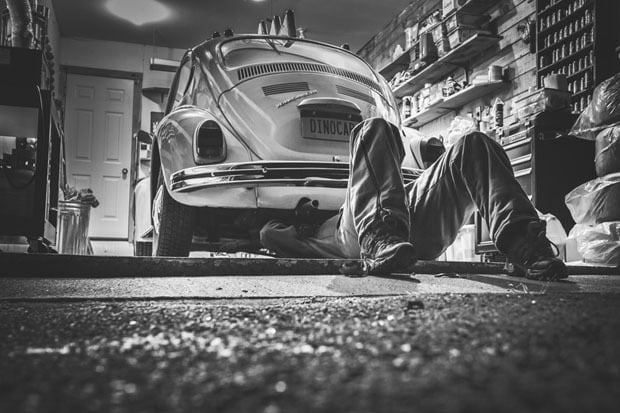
574	38
401	62
31	172
477	6
452	102
457	57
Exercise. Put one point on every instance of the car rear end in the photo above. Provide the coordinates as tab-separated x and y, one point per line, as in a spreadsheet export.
293	103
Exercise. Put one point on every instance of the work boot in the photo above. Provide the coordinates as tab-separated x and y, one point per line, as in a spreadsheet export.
531	252
384	250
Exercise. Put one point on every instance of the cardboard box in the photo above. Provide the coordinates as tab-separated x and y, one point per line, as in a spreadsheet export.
443	46
428	49
541	100
464	19
411	35
439	32
460	34
448	6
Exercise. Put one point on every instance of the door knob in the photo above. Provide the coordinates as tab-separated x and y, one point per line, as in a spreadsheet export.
125	171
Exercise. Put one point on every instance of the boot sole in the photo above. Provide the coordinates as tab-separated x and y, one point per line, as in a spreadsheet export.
402	258
555	271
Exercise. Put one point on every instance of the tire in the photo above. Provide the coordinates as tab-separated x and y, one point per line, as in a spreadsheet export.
142	249
176	229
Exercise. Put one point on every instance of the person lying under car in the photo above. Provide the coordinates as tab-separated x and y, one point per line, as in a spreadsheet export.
390	226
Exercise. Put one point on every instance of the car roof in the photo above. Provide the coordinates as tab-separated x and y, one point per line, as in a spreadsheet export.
211	45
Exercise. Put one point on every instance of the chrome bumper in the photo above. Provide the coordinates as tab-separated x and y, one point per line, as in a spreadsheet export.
268	173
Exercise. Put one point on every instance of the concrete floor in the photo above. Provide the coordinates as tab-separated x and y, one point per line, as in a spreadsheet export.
255	287
450	353
305	343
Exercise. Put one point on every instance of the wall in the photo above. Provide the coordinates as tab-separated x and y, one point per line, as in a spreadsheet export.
511	52
128	57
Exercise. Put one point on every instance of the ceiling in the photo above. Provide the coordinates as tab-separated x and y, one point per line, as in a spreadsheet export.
192	21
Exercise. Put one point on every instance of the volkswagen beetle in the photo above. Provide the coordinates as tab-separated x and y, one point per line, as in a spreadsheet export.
253	124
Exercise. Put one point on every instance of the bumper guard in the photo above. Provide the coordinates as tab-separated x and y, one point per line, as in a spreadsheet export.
268	173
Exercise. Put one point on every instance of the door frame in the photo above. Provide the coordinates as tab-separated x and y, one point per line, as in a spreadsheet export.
66	70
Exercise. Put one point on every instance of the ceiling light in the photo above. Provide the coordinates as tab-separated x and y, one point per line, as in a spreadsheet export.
138	12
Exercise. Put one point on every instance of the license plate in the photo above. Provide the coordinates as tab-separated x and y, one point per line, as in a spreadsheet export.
330	129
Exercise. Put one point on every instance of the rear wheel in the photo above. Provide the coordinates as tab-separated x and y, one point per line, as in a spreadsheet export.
172	235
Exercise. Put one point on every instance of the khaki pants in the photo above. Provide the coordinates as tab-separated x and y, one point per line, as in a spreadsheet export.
474	173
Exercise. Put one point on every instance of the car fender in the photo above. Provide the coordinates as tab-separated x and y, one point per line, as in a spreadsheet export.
175	142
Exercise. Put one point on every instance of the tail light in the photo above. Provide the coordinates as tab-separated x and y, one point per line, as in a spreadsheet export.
209	143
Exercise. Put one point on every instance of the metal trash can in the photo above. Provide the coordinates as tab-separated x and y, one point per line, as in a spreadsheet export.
73	220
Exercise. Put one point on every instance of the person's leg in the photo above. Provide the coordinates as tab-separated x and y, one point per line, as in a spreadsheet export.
374	221
475	173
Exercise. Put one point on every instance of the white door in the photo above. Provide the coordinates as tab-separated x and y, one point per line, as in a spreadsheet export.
98	127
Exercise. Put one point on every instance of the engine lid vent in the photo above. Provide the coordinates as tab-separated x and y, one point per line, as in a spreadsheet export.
269	68
285	88
343	90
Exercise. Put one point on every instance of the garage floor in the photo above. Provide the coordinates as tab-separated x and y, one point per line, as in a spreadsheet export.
94	340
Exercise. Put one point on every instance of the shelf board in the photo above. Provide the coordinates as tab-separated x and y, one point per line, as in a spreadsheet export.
430	113
159	92
156	89
568	58
455	58
585	91
551	7
562	22
564	19
453	102
399	63
568	38
579	72
163	65
476	6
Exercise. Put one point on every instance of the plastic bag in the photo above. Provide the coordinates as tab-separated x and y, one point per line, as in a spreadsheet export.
425	150
598	244
602	112
555	230
85	196
595	201
459	127
607	148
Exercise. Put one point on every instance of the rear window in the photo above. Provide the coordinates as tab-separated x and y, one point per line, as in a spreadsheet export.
250	51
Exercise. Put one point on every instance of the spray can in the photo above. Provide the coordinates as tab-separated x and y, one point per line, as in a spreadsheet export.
498	109
406	107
